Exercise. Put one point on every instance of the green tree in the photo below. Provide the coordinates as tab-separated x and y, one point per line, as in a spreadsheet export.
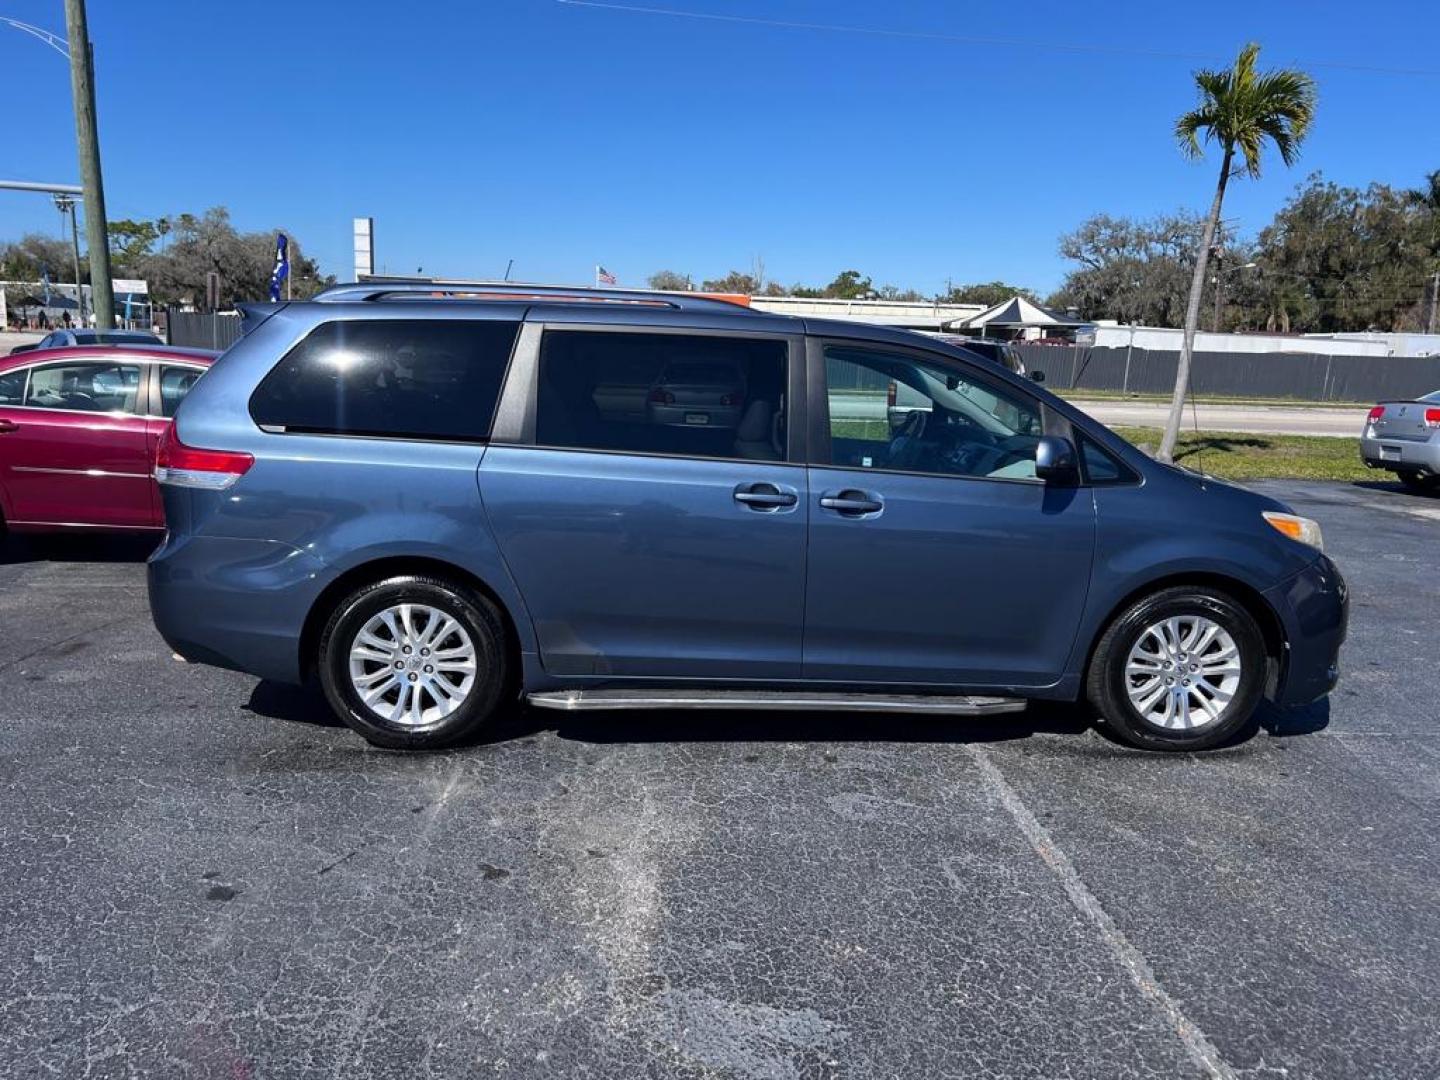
244	261
130	242
25	259
1241	110
736	281
1340	258
988	293
670	281
1131	270
908	296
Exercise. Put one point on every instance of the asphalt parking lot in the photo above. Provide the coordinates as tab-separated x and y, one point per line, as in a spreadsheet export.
202	876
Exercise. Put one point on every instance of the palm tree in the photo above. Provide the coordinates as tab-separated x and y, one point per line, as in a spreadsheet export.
1240	110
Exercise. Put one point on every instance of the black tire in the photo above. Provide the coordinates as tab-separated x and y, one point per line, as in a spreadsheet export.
1106	682
1416	482
480	621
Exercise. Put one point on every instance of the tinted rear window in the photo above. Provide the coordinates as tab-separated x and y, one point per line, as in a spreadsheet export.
398	378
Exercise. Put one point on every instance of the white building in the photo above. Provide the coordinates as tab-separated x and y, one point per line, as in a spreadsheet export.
917	315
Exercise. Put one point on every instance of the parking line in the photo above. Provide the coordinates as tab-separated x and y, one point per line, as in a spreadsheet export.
1202	1051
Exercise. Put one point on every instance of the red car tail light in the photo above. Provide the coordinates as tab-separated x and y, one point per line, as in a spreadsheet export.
1375	414
188	466
662	397
1432	417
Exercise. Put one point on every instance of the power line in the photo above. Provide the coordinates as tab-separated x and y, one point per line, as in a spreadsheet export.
967	39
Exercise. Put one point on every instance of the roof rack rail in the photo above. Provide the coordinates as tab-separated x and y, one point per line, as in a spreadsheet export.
412	289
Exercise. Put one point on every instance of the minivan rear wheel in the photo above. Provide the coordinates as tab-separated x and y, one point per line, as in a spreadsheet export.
414	662
1181	669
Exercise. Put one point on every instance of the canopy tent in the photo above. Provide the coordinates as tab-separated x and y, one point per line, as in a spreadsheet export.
1010	318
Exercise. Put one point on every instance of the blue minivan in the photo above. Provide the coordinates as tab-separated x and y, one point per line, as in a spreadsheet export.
443	500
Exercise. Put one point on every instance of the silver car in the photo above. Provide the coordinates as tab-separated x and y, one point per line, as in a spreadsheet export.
698	393
1404	437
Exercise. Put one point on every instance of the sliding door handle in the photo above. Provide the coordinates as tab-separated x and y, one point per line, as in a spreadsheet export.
764	496
852	502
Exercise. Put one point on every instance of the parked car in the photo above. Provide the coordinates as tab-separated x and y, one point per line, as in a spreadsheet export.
60	339
1404	437
494	519
78	431
693	392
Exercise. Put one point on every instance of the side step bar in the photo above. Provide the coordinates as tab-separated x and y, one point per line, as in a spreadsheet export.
791	700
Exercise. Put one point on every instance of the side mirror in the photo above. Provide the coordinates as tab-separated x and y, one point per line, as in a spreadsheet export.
1055	460
1037	376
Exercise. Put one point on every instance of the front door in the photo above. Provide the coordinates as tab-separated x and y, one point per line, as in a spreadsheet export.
74	451
936	555
653	518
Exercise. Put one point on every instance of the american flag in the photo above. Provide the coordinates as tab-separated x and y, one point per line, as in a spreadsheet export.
603	276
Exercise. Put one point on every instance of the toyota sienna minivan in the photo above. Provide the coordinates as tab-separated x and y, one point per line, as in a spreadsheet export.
443	500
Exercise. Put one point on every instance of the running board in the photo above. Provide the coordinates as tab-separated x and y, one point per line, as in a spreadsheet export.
790	700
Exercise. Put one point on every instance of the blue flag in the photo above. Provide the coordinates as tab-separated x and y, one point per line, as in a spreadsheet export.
282	265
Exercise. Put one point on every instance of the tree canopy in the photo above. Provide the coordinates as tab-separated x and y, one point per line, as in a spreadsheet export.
189	248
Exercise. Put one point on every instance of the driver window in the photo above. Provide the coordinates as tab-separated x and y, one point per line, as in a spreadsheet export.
895	412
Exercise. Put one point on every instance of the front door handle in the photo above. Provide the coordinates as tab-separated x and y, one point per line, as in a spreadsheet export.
764	496
851	502
7	426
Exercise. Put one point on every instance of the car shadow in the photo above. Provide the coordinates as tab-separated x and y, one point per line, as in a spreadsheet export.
297	704
75	547
1390	487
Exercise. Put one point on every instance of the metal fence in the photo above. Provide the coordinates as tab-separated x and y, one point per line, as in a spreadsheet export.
1296	376
202	329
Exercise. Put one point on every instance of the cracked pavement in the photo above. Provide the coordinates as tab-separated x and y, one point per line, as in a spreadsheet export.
204	877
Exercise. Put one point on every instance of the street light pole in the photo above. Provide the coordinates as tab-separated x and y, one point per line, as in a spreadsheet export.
87	139
66	203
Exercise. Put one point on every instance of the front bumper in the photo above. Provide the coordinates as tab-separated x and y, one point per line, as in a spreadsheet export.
1314	606
1400	455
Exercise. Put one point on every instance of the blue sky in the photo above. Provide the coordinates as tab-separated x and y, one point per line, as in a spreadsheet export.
562	135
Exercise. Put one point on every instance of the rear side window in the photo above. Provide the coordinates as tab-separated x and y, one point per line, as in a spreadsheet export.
175	383
692	395
391	378
12	387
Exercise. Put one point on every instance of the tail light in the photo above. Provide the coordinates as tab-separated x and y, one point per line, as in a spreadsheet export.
662	397
1432	417
188	466
731	399
1375	414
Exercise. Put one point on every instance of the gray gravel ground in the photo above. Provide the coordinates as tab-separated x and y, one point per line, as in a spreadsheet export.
203	877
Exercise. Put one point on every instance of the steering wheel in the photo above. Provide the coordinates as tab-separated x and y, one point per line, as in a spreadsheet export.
906	442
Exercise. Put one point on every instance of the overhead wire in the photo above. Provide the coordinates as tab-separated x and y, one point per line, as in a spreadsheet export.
1049	44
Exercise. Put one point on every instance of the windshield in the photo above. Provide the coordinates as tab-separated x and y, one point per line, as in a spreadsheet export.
1433	399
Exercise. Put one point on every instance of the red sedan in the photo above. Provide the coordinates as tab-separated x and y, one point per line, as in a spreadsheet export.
78	429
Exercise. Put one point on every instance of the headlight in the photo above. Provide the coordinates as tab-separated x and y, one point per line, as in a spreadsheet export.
1297	528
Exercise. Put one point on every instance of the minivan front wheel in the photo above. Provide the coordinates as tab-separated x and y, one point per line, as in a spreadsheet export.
413	662
1181	669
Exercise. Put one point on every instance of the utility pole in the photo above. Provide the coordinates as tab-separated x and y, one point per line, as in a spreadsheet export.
87	140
